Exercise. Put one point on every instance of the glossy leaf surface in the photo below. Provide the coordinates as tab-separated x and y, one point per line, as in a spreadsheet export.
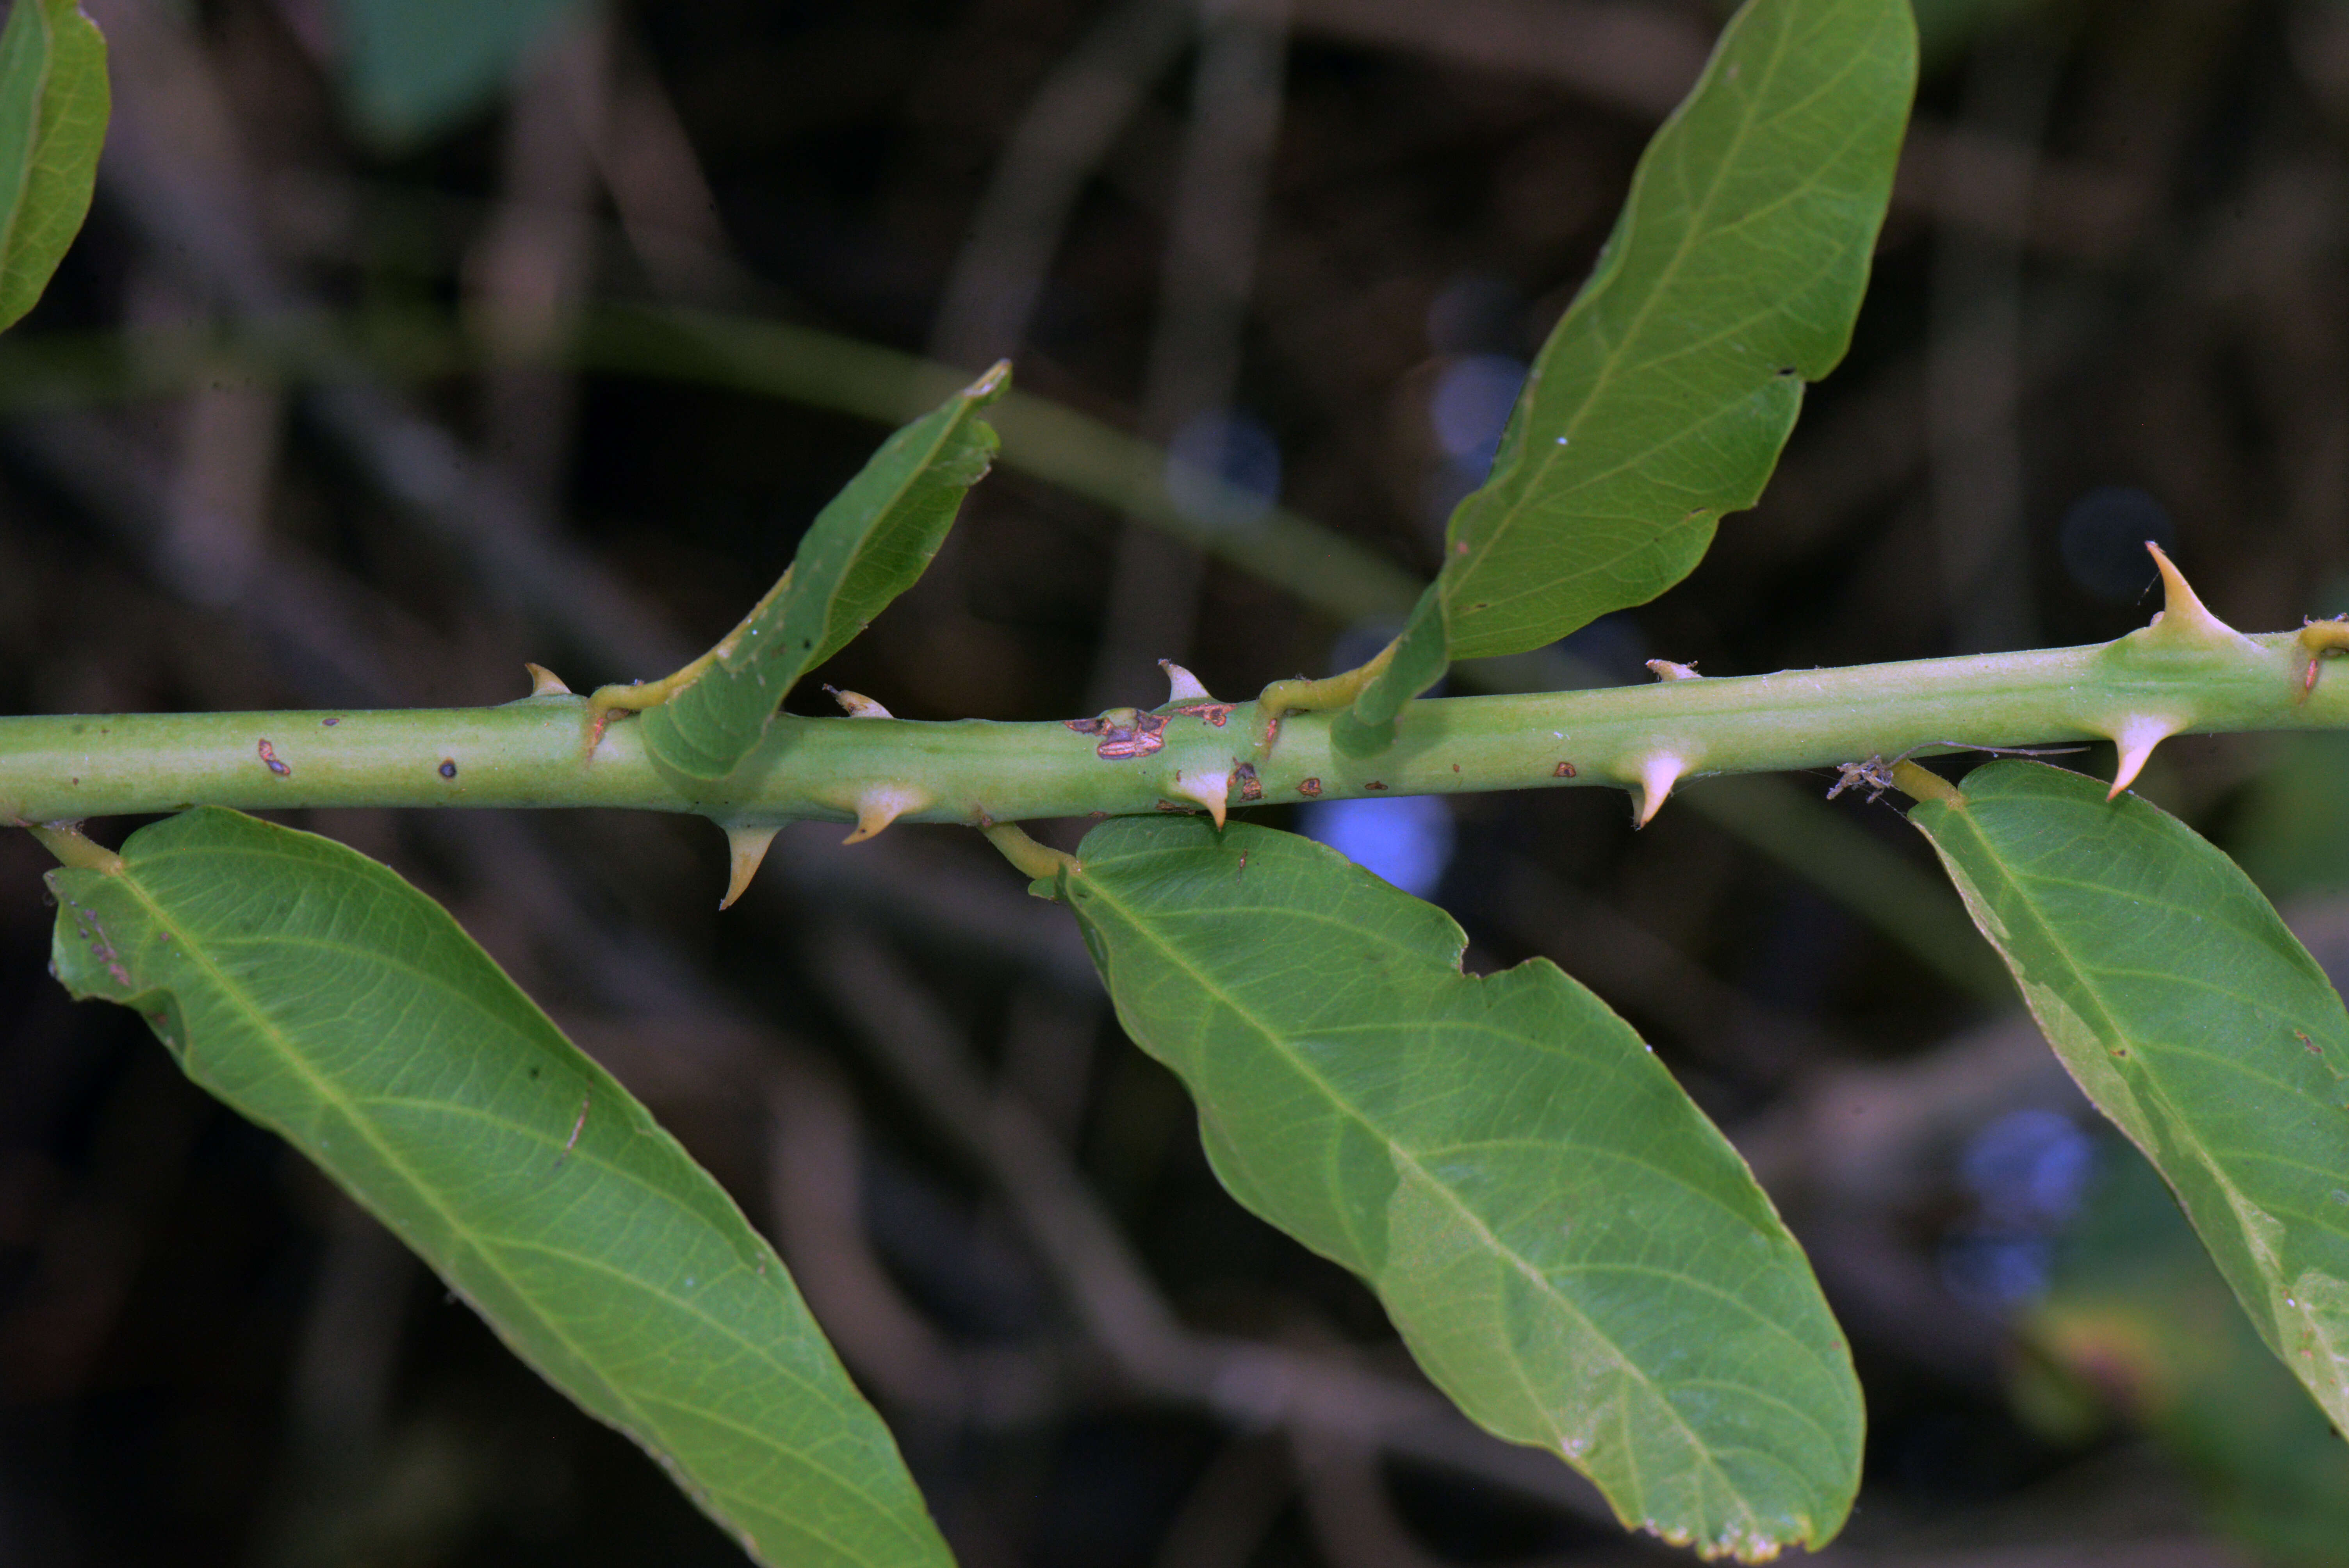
1665	393
866	547
1572	1252
326	999
53	106
2192	1018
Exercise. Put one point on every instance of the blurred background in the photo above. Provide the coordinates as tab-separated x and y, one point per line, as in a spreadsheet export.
411	339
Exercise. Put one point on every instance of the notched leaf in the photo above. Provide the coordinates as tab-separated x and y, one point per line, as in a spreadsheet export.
1666	392
1570	1250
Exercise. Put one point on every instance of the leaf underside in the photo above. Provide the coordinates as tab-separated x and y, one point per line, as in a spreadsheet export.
1571	1251
870	545
326	999
2193	1018
1665	393
54	100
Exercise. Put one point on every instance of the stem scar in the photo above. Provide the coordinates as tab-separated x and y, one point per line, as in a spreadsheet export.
269	755
1309	786
1563	770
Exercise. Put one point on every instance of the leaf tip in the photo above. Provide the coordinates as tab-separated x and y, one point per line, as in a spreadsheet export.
746	850
997	377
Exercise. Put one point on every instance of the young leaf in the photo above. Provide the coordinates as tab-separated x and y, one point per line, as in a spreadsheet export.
1569	1248
2193	1019
53	109
324	997
869	545
1664	395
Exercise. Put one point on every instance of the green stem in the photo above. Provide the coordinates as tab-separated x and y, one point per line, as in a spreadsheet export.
531	752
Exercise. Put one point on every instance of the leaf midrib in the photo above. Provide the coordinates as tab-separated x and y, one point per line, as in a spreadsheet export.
1748	116
2146	1079
1524	1267
242	1002
32	138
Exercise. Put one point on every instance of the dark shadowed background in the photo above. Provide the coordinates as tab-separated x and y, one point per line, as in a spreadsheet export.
329	408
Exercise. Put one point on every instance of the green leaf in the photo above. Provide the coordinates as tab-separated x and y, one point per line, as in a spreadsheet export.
869	545
412	67
2192	1018
326	999
1664	395
1570	1249
53	109
2136	1319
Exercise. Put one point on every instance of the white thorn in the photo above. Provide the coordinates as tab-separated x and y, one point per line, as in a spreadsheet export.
1181	684
544	682
882	805
1656	775
1668	671
2135	738
2182	617
746	848
1209	790
856	705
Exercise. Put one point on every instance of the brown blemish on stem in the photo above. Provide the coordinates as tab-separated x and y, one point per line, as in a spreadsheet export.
1125	733
1251	787
269	756
1215	713
1563	770
1309	786
1372	784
